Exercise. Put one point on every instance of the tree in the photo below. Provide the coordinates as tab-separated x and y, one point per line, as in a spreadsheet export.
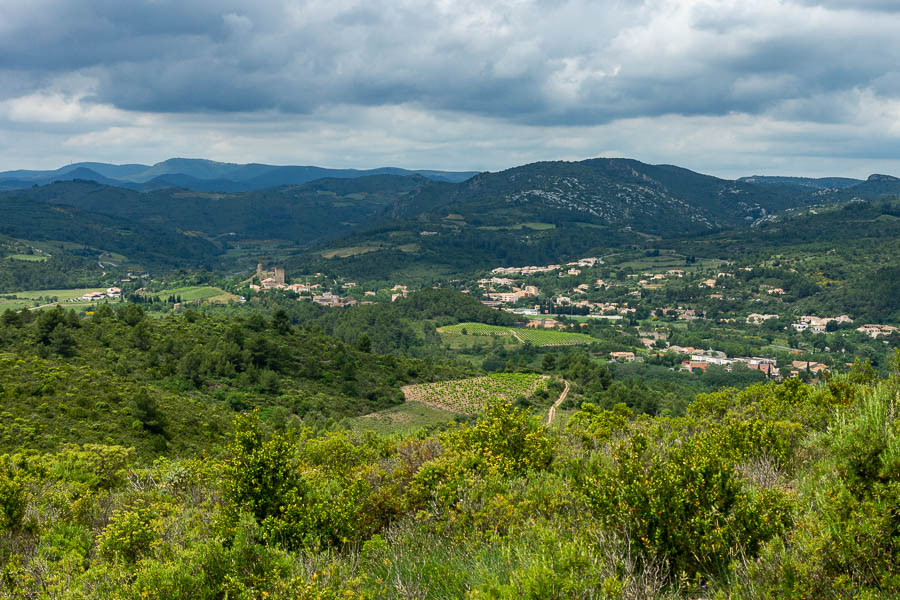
146	410
281	322
61	341
364	344
549	362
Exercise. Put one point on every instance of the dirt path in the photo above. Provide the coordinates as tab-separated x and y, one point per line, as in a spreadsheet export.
562	397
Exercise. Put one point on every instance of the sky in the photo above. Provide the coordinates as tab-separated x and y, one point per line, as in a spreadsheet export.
729	88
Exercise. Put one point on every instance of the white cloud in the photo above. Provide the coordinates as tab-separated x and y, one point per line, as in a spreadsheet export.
56	108
723	86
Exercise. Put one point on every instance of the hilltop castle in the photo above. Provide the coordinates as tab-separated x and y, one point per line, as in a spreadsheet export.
273	278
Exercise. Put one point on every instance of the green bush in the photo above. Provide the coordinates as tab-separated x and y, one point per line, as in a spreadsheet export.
132	532
12	496
295	504
846	543
505	439
682	502
593	423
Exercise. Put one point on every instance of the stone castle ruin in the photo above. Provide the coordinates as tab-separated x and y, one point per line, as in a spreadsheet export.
275	277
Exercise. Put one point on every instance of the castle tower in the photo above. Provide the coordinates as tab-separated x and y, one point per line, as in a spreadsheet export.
279	276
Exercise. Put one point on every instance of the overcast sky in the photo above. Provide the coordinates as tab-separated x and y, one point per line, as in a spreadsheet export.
730	88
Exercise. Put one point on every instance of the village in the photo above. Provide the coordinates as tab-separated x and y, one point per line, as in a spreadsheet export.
542	296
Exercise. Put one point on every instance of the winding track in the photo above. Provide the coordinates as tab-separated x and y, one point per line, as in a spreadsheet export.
562	397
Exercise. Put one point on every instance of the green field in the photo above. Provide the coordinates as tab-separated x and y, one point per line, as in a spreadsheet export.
664	262
469	395
29	257
476	329
407	418
198	293
549	337
28	298
538	337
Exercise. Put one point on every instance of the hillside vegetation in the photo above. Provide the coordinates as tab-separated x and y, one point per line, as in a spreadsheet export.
785	491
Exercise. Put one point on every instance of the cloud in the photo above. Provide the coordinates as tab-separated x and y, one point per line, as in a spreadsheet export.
567	62
570	74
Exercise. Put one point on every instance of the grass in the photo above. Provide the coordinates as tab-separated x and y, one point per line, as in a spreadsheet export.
537	337
407	418
476	329
28	257
28	298
198	293
469	395
458	341
667	261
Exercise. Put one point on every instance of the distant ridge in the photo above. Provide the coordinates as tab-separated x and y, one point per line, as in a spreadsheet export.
805	182
205	175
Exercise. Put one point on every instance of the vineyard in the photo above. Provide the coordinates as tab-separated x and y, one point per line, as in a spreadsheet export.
408	417
476	329
469	395
537	337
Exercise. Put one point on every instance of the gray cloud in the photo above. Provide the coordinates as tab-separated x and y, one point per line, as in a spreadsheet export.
564	62
481	84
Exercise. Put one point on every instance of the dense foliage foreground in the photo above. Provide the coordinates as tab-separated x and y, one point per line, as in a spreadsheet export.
775	491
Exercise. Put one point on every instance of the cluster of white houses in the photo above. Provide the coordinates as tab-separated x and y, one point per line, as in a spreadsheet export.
586	263
818	324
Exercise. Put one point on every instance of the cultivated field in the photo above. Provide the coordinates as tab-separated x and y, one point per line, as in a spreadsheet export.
197	293
29	257
469	395
30	298
537	337
476	329
406	418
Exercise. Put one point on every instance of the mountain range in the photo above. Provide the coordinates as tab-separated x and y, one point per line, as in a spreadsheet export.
372	220
203	175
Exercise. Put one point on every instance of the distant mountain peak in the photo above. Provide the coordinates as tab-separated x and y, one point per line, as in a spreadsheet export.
880	177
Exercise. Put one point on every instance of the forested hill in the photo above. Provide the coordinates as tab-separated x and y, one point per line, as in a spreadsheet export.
298	213
149	244
612	192
383	225
170	386
123	475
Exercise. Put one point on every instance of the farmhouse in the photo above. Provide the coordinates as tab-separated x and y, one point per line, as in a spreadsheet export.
691	366
803	365
756	318
93	296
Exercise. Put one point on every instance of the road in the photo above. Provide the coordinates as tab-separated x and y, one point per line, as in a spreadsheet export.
562	398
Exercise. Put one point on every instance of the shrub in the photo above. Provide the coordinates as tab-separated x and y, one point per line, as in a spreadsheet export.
506	439
12	497
295	504
684	503
596	424
95	465
132	532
